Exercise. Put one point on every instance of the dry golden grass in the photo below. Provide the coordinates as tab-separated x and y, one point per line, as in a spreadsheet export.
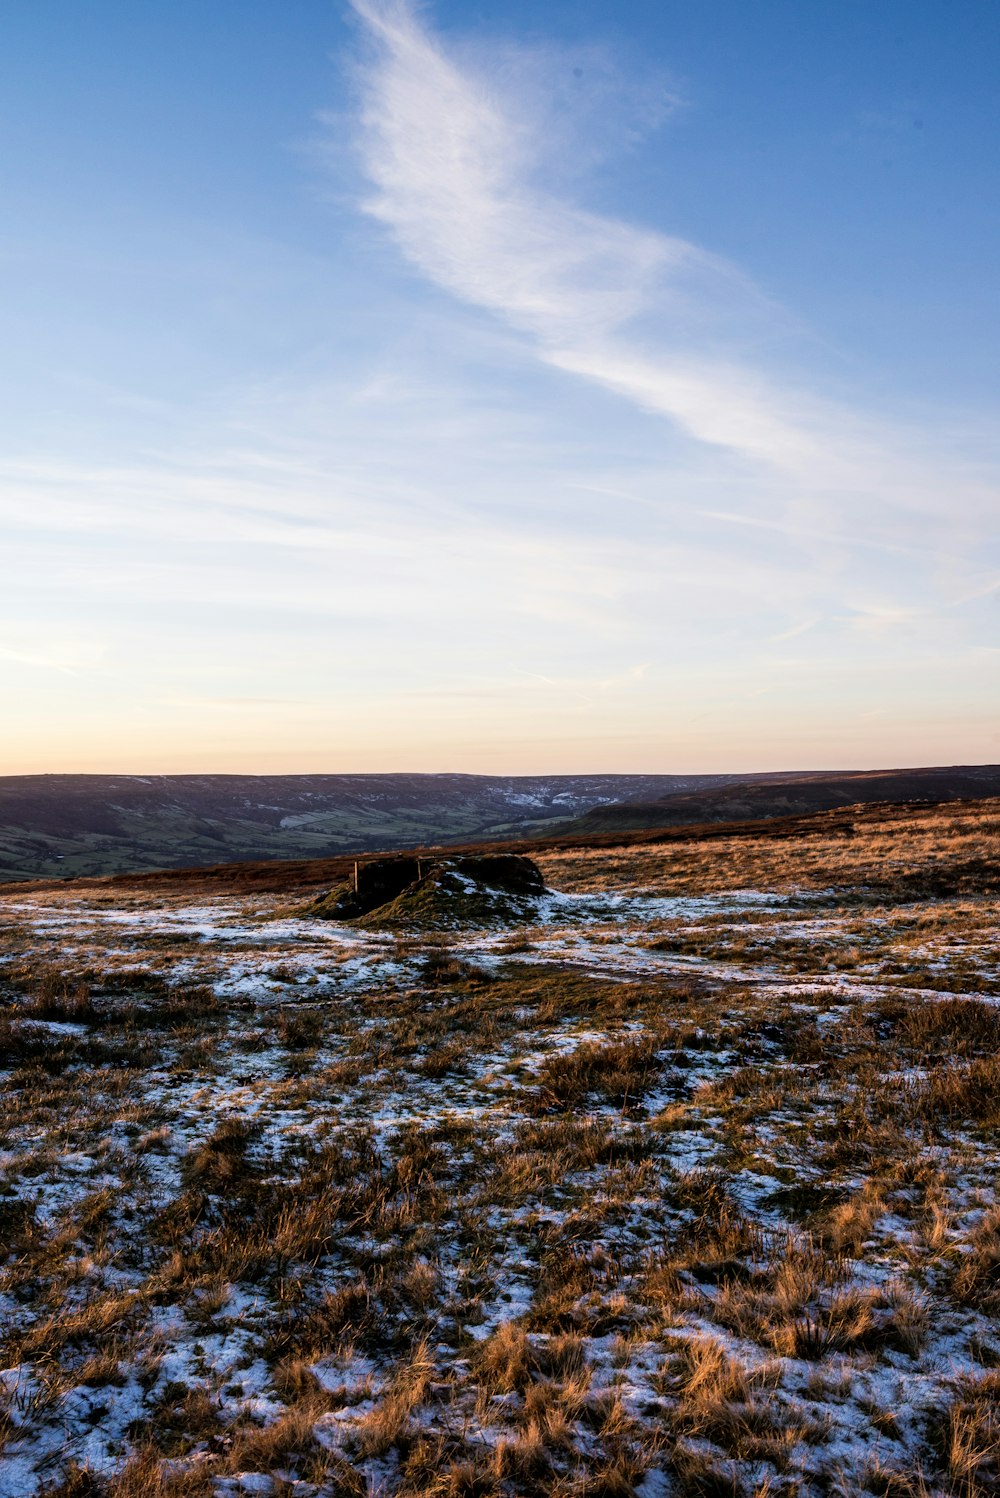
700	1191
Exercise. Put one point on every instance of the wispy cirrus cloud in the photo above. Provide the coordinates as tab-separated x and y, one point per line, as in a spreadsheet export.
452	164
453	160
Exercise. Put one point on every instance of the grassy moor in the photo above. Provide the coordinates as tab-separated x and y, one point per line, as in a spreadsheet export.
671	1174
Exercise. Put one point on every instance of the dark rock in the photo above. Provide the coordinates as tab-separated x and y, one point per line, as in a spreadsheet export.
436	892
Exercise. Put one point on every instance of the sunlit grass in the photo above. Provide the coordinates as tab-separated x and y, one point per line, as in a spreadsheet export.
696	1181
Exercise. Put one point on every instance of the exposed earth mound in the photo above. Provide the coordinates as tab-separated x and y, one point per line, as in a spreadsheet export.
436	893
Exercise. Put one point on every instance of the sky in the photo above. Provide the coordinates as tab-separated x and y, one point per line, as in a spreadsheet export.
503	388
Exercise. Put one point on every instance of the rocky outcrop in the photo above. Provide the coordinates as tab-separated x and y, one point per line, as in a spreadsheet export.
436	893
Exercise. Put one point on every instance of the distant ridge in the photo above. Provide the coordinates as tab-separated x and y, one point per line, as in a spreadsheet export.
83	825
798	794
54	826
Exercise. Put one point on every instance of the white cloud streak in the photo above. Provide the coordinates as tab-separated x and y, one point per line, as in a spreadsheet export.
451	165
453	162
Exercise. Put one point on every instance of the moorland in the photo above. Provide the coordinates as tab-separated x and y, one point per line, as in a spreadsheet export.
674	1174
73	826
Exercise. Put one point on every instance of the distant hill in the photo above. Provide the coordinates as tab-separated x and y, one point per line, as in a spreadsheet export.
796	794
52	825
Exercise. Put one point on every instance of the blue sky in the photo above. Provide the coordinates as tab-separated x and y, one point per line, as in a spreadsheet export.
499	387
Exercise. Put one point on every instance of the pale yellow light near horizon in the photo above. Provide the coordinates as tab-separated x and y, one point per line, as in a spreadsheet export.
272	742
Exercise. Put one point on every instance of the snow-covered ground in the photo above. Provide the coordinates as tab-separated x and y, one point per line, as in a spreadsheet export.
686	1192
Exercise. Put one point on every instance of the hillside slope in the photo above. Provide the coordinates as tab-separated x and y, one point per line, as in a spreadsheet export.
52	825
792	795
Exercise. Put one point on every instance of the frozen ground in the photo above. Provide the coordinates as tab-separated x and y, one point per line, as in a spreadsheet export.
687	1188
